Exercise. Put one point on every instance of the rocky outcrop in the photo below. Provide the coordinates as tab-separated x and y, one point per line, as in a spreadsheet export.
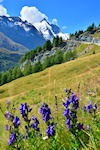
65	47
88	38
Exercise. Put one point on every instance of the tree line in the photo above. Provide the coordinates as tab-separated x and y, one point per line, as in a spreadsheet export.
47	46
58	58
90	28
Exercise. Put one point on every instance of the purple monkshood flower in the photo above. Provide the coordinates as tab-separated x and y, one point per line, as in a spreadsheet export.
16	121
9	116
75	101
46	117
95	107
45	111
70	111
35	123
66	112
66	104
7	127
68	123
23	109
12	138
80	126
69	127
72	98
89	107
50	130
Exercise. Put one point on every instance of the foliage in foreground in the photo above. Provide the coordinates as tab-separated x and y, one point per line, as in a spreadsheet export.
27	135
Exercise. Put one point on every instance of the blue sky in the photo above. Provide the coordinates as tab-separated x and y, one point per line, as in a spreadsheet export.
70	15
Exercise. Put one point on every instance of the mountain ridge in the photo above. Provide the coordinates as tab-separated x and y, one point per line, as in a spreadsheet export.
50	30
21	32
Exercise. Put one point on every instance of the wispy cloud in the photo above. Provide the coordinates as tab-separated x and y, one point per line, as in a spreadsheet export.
3	11
64	27
54	21
32	14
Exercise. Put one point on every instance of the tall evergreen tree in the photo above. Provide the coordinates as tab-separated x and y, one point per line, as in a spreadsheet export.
58	57
14	73
27	68
0	78
47	45
46	63
37	67
4	78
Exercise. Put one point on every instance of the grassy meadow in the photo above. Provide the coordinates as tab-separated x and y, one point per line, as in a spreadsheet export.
48	86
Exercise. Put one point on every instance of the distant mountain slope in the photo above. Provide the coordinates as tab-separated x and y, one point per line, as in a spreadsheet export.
8	59
7	43
10	52
21	32
49	31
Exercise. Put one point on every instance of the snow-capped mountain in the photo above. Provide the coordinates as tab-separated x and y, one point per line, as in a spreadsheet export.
21	32
27	34
50	31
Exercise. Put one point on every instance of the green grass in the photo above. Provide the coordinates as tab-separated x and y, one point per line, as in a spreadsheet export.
96	35
44	86
87	49
44	80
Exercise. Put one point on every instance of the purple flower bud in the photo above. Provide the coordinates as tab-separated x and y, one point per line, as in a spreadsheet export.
7	127
68	121
72	98
12	138
23	109
66	112
45	111
89	107
95	107
80	126
9	116
67	103
16	122
50	130
35	124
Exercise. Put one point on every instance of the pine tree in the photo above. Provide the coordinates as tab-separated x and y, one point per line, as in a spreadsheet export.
37	67
58	57
27	68
4	78
14	73
46	63
0	78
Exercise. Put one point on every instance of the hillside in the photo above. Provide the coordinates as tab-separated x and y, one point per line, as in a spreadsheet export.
82	75
10	52
8	59
44	86
9	44
80	68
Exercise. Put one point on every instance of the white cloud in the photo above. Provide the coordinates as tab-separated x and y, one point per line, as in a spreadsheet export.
64	27
32	14
54	21
3	11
